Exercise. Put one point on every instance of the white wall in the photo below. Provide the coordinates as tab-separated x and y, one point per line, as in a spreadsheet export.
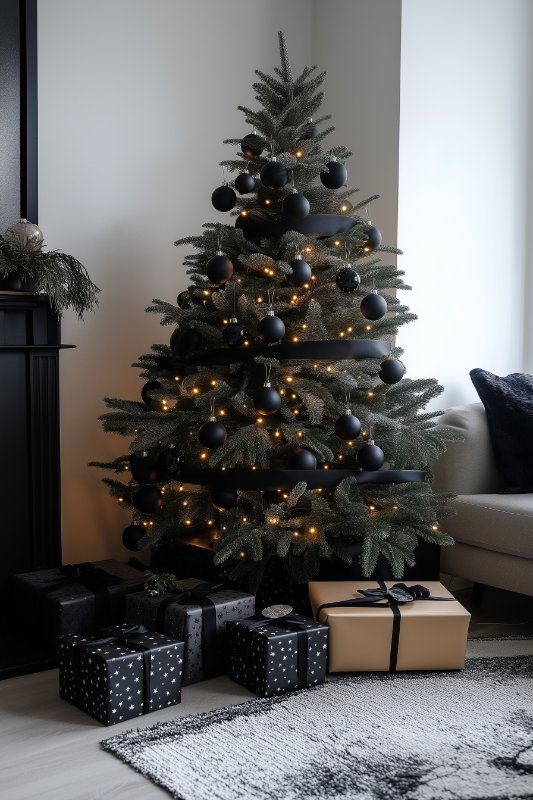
135	98
464	203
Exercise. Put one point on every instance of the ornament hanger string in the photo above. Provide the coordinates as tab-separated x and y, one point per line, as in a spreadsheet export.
234	300
347	395
270	295
212	404
268	371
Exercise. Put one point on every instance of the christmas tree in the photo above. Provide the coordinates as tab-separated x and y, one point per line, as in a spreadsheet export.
278	417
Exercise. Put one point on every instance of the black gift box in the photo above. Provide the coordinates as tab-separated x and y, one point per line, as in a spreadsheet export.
75	597
120	672
272	656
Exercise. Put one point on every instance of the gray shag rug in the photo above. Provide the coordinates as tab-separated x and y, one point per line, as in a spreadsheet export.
419	736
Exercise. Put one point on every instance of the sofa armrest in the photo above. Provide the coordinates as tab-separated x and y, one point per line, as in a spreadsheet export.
467	466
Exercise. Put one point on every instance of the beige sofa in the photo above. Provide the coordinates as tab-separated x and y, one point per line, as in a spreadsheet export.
493	531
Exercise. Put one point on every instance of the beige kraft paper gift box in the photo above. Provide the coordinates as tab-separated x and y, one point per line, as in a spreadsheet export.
432	634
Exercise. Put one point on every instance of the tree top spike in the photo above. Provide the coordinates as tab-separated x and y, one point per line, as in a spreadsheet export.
285	63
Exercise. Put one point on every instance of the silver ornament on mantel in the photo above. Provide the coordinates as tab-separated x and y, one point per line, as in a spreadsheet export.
25	235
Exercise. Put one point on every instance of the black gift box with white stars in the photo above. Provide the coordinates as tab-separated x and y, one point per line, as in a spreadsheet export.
119	680
272	656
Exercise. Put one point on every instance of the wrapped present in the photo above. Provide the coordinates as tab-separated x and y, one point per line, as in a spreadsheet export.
390	627
197	613
275	655
120	672
74	597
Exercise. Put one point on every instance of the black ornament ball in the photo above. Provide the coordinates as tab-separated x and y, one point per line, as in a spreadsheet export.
373	239
373	306
252	145
336	176
132	536
234	334
348	427
223	499
302	458
271	329
188	341
347	279
224	198
274	175
370	457
309	132
212	434
170	462
148	499
147	398
184	300
266	400
296	206
219	269
392	370
245	183
301	272
144	469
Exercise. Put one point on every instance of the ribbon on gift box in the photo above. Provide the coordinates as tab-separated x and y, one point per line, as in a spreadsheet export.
199	596
382	597
302	641
93	578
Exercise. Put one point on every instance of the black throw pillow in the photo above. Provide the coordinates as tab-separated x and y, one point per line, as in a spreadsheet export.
509	407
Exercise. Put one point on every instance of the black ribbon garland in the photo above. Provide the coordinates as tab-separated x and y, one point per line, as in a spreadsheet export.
392	598
94	579
302	642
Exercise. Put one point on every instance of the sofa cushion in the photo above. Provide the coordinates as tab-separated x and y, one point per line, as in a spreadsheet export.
509	406
499	522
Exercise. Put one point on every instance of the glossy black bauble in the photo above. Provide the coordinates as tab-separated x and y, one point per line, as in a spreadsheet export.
148	499
184	300
373	306
224	498
219	269
271	329
370	457
309	132
348	427
266	401
373	239
212	434
252	145
347	279
302	458
245	183
147	398
185	342
296	206
392	370
336	176
132	536
274	175
234	334
170	462
144	469
224	198
301	272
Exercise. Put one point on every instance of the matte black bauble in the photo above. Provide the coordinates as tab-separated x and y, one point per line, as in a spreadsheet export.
302	458
309	132
147	398
271	329
392	370
266	401
234	334
224	198
184	300
296	206
348	427
170	462
148	499
373	239
175	340
252	145
370	457
189	340
301	272
219	269
373	306
132	536
274	175
212	434
347	279
144	469
245	183
223	499
336	176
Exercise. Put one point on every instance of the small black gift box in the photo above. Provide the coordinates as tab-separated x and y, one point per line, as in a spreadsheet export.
120	672
272	656
74	597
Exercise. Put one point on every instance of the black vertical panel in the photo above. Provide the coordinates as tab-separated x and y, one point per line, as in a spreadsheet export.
28	111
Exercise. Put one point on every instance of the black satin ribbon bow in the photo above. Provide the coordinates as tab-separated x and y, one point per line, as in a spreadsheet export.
382	597
94	579
198	596
302	641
